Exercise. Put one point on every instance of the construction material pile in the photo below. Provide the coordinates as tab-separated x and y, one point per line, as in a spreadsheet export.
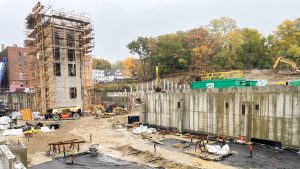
143	130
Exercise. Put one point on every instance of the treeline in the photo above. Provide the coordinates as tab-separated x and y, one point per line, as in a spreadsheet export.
220	45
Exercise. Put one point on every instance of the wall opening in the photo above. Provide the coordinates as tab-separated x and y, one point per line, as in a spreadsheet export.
56	54
71	55
57	69
243	109
72	69
73	93
226	105
70	40
178	105
257	107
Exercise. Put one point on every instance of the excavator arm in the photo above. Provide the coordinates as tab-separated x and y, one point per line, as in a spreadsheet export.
286	61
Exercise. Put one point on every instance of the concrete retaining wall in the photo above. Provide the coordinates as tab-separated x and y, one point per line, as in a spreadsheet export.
17	100
271	113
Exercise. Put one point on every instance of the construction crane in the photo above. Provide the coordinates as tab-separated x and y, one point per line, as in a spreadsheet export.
283	60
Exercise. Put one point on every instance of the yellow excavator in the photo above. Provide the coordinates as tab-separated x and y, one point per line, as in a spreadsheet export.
286	61
100	111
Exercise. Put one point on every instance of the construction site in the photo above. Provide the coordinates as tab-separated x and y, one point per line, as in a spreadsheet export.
53	115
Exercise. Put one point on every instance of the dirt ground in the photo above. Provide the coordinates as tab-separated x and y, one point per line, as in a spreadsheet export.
113	141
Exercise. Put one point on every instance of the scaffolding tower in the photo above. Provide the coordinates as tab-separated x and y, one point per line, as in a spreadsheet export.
49	34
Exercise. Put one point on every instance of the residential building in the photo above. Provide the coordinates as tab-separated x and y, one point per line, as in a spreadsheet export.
17	73
109	75
63	43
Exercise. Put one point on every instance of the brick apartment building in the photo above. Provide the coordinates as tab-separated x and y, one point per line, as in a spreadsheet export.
19	72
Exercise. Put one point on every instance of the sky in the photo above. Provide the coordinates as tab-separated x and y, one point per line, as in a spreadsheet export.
118	22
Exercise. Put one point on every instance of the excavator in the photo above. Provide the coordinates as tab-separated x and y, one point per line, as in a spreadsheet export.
100	111
286	61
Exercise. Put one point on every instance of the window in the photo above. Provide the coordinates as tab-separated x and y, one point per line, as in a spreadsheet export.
72	69
70	40
26	83
71	55
25	63
20	65
178	105
73	93
243	109
57	70
257	107
20	54
24	54
21	85
56	54
57	33
226	105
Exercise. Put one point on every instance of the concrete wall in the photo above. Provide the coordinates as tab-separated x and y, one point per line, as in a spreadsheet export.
63	83
17	100
271	113
13	156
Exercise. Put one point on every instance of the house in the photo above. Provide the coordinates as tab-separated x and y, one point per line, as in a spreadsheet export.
109	75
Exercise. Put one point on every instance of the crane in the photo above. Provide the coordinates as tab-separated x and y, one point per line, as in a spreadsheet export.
283	60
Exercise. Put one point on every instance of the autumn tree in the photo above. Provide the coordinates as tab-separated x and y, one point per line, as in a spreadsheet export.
201	57
285	41
101	64
226	57
128	66
222	26
118	65
171	54
252	52
221	45
141	48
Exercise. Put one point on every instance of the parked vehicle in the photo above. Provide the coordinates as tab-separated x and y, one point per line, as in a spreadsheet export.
73	112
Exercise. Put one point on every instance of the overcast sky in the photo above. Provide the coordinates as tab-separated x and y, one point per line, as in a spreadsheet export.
117	22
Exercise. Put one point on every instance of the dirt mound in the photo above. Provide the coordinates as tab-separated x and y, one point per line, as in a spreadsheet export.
39	142
150	158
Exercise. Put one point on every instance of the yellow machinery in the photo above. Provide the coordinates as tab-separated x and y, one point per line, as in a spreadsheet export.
283	60
100	111
221	75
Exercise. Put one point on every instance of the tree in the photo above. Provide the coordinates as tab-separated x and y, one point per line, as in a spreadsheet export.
141	48
101	64
129	68
171	54
222	26
286	39
118	65
226	57
201	57
252	52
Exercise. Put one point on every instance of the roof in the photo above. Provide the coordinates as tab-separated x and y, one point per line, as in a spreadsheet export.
110	72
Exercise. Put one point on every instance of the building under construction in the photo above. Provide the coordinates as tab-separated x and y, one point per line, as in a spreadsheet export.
62	44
